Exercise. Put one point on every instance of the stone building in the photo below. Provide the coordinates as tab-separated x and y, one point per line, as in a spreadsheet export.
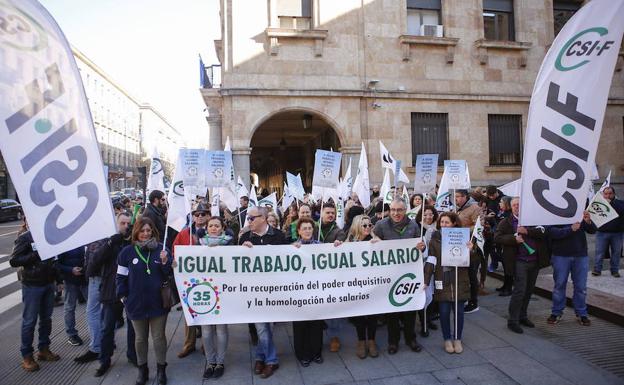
452	77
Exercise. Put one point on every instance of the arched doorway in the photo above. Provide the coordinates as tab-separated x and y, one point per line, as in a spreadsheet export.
287	141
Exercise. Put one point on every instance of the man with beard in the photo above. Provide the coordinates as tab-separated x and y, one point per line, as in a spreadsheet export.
156	210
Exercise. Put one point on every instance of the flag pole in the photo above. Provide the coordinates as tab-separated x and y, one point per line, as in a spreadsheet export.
456	301
321	214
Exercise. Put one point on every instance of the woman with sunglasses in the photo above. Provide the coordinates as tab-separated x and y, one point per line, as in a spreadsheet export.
307	335
215	337
445	284
142	268
365	325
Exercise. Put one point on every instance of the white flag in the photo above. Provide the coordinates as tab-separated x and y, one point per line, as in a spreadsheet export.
179	204
346	184
287	198
215	203
594	173
340	211
386	191
444	201
253	198
157	175
477	234
590	190
606	183
387	161
228	146
47	137
512	189
295	185
270	201
601	211
406	198
241	190
361	186
325	193
566	114
227	196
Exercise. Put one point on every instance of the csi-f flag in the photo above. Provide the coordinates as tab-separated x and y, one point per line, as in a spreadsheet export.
387	161
253	198
361	186
179	204
386	191
346	184
157	174
566	113
601	211
295	185
443	200
47	137
477	234
287	198
241	190
606	183
270	201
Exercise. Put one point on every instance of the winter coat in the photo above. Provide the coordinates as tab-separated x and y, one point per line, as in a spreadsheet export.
66	263
34	271
158	217
385	229
105	260
469	213
330	232
567	243
446	276
505	237
271	237
141	289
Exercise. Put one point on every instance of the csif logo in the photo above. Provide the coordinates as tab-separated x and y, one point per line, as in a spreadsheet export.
578	51
403	290
20	31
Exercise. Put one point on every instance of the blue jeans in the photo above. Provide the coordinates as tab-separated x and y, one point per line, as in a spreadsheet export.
445	318
110	313
562	268
265	350
38	302
71	297
333	327
603	241
94	314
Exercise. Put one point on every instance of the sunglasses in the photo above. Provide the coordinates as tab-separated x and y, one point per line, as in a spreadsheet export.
366	225
251	218
200	214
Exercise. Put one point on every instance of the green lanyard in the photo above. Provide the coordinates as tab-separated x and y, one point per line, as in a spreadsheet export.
146	260
402	230
321	230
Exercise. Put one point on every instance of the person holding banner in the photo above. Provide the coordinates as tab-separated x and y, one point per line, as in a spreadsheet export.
569	257
260	233
307	335
399	226
330	232
215	337
38	285
366	325
528	247
610	234
446	286
142	269
189	236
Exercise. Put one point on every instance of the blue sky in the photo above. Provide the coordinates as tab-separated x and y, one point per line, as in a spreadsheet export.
150	48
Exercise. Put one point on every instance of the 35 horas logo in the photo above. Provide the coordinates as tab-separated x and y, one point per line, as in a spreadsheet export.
18	30
581	48
201	296
403	290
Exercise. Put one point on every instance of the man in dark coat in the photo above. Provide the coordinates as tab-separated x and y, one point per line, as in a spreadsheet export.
156	210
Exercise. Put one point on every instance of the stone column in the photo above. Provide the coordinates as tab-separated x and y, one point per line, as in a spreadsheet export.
353	153
240	157
215	138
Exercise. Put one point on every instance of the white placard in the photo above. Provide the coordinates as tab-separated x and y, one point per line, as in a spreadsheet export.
455	250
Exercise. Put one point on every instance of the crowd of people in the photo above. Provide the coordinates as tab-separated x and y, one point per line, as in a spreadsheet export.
130	272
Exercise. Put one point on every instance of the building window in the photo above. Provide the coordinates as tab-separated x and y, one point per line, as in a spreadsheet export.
430	135
423	18
294	14
563	11
498	20
504	139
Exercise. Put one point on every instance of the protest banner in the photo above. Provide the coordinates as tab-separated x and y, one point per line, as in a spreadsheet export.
566	114
457	174
194	172
455	250
426	173
236	284
326	169
47	138
219	168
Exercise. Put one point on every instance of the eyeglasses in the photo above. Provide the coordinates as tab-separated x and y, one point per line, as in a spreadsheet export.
397	210
251	218
366	225
200	214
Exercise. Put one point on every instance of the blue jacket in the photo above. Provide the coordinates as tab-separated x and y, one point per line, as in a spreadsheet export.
567	243
70	259
142	290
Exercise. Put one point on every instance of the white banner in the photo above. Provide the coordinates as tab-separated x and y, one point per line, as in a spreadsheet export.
179	205
47	137
566	114
326	169
426	173
601	211
219	168
194	172
511	189
156	180
237	284
361	185
457	174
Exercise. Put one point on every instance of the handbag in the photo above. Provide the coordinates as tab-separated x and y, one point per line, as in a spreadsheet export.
169	297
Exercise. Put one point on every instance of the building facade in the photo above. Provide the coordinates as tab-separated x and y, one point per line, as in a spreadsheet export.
158	132
452	77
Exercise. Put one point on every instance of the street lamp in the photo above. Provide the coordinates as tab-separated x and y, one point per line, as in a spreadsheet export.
307	121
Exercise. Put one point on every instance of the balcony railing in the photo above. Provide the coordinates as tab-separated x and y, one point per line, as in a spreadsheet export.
213	76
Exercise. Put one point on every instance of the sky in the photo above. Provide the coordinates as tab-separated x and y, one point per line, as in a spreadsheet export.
150	48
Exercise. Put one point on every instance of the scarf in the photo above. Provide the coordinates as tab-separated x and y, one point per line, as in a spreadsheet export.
150	244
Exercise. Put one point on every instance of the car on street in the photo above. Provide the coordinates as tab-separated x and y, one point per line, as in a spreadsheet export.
10	210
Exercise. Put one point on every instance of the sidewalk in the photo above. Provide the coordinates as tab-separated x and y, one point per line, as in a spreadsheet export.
492	355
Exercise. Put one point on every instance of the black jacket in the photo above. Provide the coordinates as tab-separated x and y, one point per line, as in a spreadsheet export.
66	263
35	272
272	237
158	217
105	260
567	243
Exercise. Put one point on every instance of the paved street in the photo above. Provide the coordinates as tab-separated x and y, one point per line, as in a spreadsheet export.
564	354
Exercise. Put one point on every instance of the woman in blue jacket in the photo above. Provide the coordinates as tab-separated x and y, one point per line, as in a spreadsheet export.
142	268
